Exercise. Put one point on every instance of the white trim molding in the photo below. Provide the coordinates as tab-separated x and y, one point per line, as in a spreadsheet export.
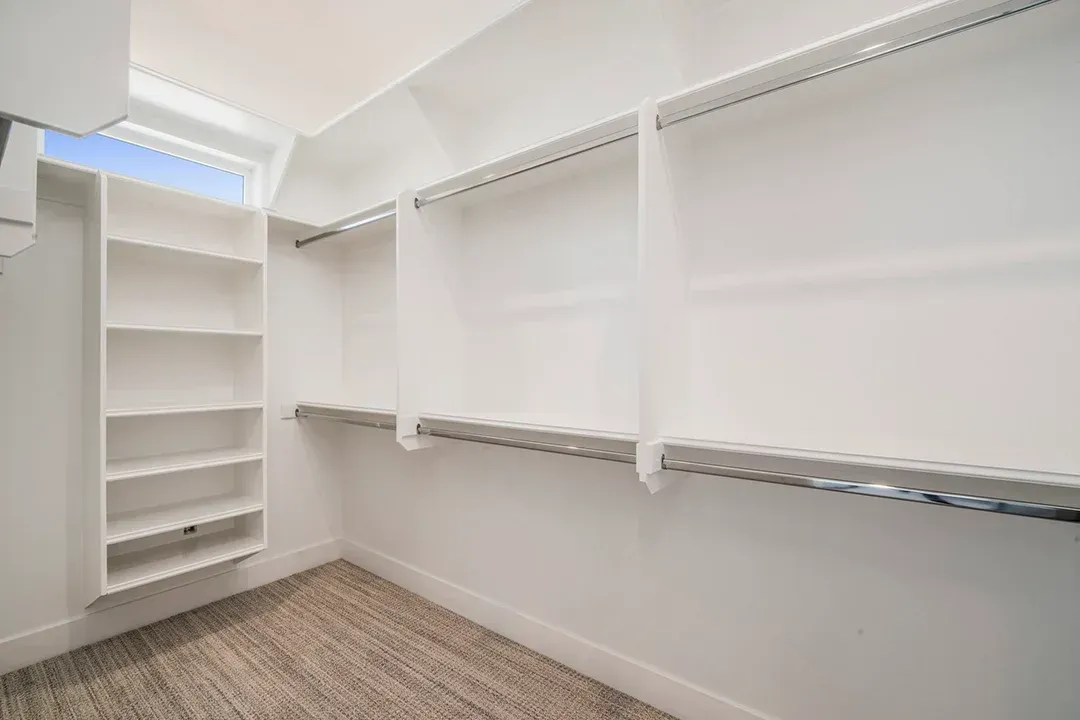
639	680
95	625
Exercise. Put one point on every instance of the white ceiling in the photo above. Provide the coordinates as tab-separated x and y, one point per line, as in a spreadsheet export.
301	63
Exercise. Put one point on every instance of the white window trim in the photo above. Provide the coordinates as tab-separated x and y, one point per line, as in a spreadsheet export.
252	172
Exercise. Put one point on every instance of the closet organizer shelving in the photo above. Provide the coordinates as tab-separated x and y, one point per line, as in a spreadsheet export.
516	279
356	302
174	377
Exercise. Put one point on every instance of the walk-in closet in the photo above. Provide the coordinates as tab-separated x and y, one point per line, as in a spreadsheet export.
540	359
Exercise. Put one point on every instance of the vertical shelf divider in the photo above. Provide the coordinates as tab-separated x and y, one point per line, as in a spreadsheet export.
419	291
262	241
661	295
95	269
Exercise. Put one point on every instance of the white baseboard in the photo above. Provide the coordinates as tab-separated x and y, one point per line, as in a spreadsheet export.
649	684
43	643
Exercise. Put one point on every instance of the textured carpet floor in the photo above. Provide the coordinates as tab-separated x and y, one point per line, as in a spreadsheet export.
332	642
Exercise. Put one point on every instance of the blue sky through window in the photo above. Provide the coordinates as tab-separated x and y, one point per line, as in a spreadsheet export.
124	158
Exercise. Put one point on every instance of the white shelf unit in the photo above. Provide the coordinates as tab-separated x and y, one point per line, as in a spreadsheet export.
175	320
877	264
213	284
516	299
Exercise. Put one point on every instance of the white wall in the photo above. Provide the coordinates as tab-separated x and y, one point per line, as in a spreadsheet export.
41	612
800	604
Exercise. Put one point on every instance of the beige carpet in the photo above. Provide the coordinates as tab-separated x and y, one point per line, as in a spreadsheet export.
332	642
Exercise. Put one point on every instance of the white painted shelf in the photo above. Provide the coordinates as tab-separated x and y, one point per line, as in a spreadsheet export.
166	561
179	252
178	462
142	210
182	409
134	525
175	377
130	327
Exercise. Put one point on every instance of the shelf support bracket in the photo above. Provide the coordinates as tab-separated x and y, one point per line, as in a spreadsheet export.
408	433
5	133
650	467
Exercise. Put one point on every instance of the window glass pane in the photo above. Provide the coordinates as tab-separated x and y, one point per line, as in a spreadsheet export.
124	158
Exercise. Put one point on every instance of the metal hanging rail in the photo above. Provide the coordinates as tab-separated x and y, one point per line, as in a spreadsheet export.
363	417
345	228
855	59
1006	506
525	444
420	201
984	493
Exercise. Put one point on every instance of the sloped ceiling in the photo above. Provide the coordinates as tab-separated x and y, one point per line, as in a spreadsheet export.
301	63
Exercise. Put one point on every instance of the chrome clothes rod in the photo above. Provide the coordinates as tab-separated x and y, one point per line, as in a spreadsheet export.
891	483
381	425
860	57
896	491
361	417
345	228
524	444
1022	508
420	202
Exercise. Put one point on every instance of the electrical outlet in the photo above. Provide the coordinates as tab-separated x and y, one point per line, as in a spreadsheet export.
191	529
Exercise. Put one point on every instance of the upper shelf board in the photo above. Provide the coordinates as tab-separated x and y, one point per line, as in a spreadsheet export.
143	191
229	332
154	410
182	252
350	414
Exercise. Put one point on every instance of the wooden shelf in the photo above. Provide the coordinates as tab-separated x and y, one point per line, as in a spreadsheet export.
178	462
128	327
166	561
182	409
180	251
155	521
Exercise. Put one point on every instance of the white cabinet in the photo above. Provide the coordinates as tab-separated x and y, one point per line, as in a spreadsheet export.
65	64
18	191
65	67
